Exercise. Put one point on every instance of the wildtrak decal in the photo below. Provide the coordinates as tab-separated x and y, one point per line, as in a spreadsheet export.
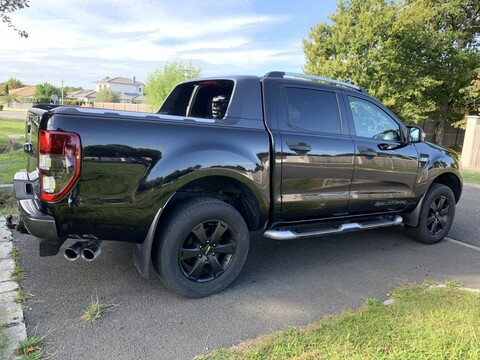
391	202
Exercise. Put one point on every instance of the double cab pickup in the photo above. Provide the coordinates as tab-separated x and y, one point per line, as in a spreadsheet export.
292	155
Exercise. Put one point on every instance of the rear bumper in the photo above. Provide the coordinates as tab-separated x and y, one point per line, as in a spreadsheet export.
37	223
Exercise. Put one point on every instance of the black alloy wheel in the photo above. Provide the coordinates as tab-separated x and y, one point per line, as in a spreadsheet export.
436	215
207	251
202	247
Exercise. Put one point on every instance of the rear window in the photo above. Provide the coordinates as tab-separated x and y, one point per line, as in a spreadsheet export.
208	99
313	110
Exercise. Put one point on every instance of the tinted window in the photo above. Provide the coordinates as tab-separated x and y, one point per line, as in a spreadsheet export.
208	99
372	122
313	110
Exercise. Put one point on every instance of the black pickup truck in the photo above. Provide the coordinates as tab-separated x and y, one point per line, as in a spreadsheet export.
292	155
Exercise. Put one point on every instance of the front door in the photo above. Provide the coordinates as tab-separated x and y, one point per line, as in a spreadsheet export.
386	165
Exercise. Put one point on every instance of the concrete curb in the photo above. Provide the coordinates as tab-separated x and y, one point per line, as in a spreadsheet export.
15	326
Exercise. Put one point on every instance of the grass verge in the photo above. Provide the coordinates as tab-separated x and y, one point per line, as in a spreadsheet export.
471	177
10	163
422	323
10	127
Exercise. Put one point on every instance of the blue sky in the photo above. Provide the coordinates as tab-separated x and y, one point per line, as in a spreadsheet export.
81	41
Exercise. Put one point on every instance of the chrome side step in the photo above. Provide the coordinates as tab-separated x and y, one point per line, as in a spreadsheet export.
364	225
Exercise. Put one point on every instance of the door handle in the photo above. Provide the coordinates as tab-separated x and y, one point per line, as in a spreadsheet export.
366	151
387	146
300	148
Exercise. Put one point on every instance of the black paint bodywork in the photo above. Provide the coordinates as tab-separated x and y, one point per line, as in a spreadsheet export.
136	165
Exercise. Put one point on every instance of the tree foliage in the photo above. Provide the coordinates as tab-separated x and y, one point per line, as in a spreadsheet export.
10	84
70	89
108	95
472	95
9	6
163	79
414	55
44	91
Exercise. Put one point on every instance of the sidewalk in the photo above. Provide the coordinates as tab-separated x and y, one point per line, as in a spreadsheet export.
15	329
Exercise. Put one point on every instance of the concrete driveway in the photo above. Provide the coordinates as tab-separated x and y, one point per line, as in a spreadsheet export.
283	284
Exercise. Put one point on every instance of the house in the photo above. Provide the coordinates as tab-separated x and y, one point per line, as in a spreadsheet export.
122	85
134	99
82	96
25	92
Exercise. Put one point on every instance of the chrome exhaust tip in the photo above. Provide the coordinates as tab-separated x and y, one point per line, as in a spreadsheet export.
91	251
73	252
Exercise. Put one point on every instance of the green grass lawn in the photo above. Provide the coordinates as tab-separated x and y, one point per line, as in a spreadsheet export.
422	323
11	162
471	177
10	127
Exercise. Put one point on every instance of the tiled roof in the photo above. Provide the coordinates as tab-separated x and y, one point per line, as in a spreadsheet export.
120	80
25	91
82	94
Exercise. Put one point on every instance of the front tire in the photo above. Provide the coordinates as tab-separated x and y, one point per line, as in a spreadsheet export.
202	248
436	215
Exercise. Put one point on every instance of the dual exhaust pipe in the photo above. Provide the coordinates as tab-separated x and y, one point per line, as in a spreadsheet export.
85	249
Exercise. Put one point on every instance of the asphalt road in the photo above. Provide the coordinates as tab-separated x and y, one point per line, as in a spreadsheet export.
16	115
282	284
466	227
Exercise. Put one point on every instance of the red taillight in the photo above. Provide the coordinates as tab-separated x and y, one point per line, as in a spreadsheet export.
59	159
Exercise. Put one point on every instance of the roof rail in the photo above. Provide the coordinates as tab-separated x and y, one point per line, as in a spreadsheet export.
281	74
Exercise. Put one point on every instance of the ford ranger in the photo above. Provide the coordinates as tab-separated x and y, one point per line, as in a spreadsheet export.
292	155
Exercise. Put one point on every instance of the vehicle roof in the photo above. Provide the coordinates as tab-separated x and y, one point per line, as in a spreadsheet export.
300	79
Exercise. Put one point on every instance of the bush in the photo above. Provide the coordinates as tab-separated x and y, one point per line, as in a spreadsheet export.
1	107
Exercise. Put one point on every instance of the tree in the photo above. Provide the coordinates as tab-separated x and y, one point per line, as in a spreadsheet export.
108	95
163	79
9	6
14	83
471	95
4	89
43	92
70	89
413	55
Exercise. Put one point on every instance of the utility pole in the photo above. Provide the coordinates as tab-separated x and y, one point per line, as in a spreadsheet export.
187	73
62	90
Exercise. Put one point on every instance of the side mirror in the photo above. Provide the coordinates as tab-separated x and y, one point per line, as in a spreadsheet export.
415	134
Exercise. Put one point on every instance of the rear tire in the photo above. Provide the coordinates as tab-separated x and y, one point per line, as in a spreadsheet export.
436	215
202	247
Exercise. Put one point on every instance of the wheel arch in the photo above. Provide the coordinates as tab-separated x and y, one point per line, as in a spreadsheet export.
450	180
245	198
228	189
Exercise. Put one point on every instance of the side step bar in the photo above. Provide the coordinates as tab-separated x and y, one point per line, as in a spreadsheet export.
291	234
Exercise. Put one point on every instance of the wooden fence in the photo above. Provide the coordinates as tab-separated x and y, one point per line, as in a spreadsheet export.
120	106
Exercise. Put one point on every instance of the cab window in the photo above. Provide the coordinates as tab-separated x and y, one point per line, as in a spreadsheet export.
313	110
372	122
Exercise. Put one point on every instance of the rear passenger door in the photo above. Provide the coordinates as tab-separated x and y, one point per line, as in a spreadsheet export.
316	154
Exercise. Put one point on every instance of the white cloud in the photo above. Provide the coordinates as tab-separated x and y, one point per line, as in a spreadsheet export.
81	41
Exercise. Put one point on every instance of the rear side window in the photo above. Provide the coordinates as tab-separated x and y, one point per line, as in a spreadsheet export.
208	99
313	110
